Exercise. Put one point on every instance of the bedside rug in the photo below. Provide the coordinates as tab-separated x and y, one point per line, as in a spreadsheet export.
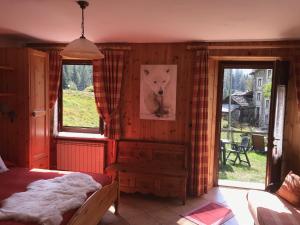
210	214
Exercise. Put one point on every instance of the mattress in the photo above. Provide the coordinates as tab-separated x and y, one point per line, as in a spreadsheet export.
17	179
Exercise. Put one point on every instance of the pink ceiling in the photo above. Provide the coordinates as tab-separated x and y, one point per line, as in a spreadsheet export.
151	20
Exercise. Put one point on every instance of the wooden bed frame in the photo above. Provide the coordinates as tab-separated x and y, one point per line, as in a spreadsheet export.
97	204
93	209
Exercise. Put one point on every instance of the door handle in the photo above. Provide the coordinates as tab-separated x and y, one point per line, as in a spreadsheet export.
38	113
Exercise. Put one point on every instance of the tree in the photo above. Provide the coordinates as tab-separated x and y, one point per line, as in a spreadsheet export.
86	77
249	83
267	88
226	83
75	76
72	86
66	77
89	89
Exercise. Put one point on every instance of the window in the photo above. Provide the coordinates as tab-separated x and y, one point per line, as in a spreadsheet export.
77	108
257	112
259	82
267	103
258	96
269	74
267	118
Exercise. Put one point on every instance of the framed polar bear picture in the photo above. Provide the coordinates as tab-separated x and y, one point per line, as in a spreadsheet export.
158	92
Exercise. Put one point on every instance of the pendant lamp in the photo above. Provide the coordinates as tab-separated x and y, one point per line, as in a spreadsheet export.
82	48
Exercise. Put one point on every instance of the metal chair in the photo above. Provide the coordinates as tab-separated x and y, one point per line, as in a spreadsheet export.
238	150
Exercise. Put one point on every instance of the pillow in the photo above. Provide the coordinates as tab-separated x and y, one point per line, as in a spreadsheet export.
290	189
3	168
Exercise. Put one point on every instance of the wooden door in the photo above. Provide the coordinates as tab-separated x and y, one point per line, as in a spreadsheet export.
275	143
39	110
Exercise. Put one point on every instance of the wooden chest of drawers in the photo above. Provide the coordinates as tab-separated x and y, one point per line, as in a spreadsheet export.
155	168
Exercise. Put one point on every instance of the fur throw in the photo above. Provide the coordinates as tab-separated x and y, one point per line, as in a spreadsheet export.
45	201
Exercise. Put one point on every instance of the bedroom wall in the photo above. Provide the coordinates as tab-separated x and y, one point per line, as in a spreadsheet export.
14	82
8	42
157	130
179	131
8	129
134	128
292	131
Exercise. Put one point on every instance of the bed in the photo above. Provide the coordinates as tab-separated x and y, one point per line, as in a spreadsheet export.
90	213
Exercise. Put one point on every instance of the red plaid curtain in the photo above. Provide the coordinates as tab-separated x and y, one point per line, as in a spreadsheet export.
297	79
55	62
198	173
107	76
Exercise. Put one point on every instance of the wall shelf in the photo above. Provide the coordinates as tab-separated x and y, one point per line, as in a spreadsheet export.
6	68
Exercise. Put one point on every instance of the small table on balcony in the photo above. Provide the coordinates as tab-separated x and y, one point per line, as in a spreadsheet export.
223	143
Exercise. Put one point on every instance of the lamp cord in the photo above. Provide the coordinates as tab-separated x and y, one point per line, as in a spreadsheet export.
82	22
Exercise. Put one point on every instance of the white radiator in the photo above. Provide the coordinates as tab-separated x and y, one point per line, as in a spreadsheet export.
80	156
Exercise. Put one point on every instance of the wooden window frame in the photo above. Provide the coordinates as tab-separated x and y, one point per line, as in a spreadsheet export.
62	128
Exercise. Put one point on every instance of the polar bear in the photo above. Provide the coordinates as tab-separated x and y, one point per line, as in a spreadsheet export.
157	97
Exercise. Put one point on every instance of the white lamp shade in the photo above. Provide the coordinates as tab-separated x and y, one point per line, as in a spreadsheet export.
81	48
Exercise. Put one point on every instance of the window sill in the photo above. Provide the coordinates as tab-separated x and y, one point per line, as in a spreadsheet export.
81	136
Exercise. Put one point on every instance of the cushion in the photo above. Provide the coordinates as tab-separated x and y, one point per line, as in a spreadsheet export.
3	167
290	189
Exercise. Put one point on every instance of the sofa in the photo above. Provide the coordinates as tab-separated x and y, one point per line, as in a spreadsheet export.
277	206
269	209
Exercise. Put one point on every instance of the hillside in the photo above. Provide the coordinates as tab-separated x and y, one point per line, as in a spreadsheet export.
79	109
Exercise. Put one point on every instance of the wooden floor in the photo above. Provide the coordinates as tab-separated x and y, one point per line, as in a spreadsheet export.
136	209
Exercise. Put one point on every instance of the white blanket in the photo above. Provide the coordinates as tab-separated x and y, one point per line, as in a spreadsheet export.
45	201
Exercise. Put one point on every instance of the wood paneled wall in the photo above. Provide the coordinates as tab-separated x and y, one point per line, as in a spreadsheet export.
8	42
179	131
155	130
12	141
291	160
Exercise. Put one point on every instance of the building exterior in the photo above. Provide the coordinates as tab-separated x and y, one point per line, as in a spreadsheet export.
241	108
250	107
261	77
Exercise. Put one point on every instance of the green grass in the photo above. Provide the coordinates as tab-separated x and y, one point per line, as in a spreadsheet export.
242	172
79	109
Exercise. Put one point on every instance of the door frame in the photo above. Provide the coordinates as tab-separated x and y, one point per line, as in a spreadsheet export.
256	64
280	67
